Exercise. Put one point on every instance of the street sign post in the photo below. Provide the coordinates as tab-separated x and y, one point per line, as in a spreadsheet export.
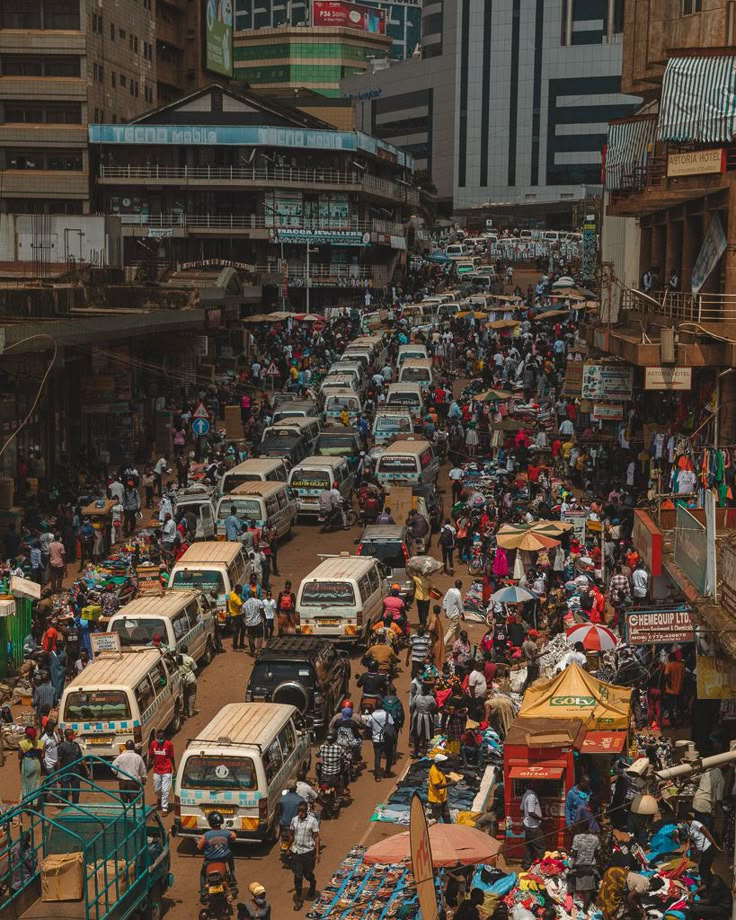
272	371
201	412
201	427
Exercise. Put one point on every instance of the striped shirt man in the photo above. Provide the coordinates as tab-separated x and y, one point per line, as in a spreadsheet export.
419	644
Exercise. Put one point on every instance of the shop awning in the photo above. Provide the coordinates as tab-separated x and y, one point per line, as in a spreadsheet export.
575	694
603	743
536	771
699	100
627	146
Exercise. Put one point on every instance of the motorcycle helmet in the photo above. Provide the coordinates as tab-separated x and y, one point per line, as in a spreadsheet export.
395	589
215	820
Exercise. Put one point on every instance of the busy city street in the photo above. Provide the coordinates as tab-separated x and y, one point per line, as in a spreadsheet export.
367	482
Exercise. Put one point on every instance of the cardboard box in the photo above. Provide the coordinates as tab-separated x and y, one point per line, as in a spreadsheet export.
61	877
105	872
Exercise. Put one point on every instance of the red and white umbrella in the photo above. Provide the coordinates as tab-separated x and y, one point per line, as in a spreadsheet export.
594	636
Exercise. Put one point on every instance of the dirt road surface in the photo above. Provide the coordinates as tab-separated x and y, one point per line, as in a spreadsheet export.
224	681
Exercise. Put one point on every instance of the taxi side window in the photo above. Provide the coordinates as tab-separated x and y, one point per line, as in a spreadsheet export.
180	625
144	695
287	739
272	506
364	586
158	677
282	498
272	759
375	581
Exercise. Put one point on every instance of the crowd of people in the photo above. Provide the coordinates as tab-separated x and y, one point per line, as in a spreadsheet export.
521	453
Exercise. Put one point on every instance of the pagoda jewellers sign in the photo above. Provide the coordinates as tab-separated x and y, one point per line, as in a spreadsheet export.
696	163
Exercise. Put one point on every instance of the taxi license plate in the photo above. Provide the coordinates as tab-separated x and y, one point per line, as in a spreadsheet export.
100	739
328	622
216	889
222	809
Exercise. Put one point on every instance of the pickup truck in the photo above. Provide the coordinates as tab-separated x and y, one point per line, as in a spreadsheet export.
123	869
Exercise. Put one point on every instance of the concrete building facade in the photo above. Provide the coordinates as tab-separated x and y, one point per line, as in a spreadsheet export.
535	84
403	19
65	64
299	57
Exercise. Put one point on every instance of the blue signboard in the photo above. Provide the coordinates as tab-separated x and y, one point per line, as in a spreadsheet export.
201	427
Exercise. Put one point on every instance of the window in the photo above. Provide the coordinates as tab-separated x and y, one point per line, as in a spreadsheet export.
287	739
272	760
691	6
67	114
68	161
61	67
375	580
144	695
364	587
26	15
180	625
112	31
112	78
121	33
123	80
22	114
218	772
135	44
158	677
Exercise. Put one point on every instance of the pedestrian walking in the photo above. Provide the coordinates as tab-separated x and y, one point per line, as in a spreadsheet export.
130	769
254	616
235	617
305	852
447	545
269	612
383	735
161	755
188	670
69	778
452	604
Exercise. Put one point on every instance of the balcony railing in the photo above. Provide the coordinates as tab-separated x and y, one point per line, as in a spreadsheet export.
683	307
167	220
654	174
258	175
328	273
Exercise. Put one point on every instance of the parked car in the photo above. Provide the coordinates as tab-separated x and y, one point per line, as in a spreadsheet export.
304	671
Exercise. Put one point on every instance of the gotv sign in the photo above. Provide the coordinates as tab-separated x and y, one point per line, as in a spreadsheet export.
582	702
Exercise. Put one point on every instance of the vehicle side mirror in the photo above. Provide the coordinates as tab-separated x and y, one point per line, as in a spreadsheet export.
356	542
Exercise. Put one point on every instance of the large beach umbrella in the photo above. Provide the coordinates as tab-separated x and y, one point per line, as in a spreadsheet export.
512	595
529	541
594	636
501	324
451	845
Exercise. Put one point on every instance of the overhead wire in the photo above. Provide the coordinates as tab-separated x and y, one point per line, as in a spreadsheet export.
38	335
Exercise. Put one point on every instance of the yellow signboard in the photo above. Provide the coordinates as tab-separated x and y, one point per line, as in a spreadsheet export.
716	679
696	163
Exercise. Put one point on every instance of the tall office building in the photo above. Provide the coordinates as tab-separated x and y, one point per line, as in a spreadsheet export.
402	18
510	101
90	62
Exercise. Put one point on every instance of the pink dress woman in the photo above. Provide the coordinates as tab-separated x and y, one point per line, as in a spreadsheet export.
500	563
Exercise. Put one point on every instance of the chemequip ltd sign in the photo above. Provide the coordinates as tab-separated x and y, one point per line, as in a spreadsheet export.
650	627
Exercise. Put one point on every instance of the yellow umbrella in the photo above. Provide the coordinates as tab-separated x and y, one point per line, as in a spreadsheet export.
503	324
529	541
567	294
551	314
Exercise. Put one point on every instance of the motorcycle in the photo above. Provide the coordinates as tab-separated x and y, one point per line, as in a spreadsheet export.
330	797
332	520
284	844
218	893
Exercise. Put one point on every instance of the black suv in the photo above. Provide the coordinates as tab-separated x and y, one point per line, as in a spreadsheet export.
305	672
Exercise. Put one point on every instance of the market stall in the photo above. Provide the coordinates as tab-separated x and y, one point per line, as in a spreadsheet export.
564	725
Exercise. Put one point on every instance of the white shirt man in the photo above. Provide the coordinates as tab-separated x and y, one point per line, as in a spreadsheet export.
639	583
452	604
477	685
566	427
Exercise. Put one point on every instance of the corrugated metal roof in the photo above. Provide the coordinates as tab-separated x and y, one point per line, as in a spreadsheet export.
342	567
243	723
159	605
109	669
222	553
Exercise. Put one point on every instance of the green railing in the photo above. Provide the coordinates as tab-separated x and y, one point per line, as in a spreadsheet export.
71	813
13	631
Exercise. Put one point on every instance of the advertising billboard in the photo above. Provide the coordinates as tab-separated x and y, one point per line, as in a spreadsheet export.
218	37
348	15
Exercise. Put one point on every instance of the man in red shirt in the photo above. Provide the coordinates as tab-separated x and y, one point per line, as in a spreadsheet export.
50	638
161	755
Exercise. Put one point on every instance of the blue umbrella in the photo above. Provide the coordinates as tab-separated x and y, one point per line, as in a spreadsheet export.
512	595
438	256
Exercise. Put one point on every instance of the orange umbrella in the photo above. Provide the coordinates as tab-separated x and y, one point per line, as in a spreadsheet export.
529	541
451	845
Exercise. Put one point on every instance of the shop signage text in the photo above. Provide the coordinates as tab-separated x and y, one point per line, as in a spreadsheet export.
608	381
697	163
573	379
330	237
104	642
607	412
668	378
650	627
582	702
647	539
